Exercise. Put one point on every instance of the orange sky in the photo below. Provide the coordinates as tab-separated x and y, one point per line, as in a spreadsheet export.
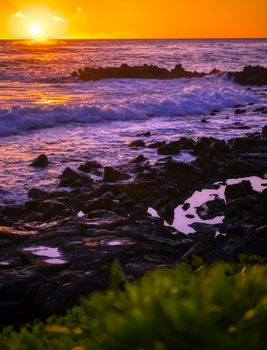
134	18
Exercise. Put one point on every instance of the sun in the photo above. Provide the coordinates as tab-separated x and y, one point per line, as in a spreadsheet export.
35	30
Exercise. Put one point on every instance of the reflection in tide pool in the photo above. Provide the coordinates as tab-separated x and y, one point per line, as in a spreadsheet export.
183	224
52	254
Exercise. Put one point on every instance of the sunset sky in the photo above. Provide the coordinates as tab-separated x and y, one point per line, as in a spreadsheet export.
133	19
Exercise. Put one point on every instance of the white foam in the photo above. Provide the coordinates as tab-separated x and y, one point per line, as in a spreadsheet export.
132	99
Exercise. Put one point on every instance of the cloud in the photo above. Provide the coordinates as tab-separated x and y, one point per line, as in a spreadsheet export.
58	19
79	9
19	15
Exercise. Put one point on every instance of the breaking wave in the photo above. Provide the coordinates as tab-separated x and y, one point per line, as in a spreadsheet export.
198	99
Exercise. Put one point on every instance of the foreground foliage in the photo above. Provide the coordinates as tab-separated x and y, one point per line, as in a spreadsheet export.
222	306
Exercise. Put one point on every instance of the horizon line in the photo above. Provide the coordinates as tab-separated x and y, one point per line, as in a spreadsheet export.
176	38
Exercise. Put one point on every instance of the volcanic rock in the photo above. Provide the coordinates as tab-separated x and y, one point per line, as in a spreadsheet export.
40	162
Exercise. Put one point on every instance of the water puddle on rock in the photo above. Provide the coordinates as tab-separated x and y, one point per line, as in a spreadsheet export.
182	222
52	254
108	242
80	214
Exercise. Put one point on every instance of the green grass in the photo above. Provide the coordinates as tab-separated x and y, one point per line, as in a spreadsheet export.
218	307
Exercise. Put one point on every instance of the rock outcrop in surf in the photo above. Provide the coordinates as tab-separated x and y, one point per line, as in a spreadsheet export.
250	75
139	72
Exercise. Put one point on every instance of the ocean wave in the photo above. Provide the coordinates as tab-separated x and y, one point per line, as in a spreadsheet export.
191	100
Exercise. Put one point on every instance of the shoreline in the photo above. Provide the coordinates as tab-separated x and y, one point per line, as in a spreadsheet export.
58	239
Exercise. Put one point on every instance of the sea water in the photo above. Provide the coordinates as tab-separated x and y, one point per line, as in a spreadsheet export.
43	110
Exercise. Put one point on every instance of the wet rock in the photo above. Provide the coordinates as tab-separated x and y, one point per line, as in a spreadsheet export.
242	189
180	171
140	72
240	208
210	147
204	232
137	143
211	209
261	231
144	134
106	223
108	195
74	178
98	204
89	166
41	161
139	159
157	144
190	216
186	206
113	175
240	111
247	144
51	207
35	193
170	148
175	147
12	234
234	245
13	210
263	110
97	222
251	75
100	213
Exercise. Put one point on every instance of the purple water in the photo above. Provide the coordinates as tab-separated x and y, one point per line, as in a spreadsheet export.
72	122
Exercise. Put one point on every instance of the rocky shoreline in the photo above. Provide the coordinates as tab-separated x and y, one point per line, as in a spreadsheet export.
60	245
250	75
139	72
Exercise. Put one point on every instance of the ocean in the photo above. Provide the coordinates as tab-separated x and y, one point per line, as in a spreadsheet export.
43	110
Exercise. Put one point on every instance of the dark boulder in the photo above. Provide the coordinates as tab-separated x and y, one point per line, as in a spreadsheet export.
262	110
13	210
261	231
89	166
50	207
97	204
170	148
74	178
137	143
248	144
210	147
175	147
211	209
138	159
40	162
240	111
242	189
113	175
251	75
144	134
180	171
156	144
35	193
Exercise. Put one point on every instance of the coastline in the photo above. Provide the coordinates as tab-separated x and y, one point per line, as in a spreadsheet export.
70	238
146	172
